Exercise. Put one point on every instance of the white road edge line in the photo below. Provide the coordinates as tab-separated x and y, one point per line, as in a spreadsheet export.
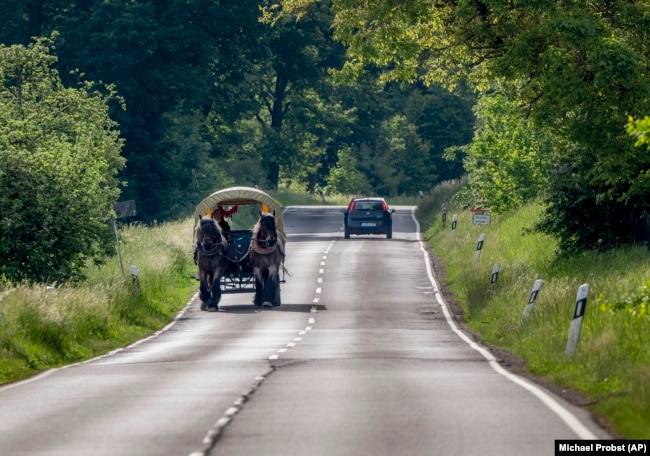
564	414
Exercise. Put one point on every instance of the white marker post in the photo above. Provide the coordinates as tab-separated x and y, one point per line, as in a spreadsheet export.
533	297
135	274
454	222
479	246
576	323
495	276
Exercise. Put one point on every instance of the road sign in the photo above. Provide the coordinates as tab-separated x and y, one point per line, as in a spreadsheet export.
122	209
481	219
125	209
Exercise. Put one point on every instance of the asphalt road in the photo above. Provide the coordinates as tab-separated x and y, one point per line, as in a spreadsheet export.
360	359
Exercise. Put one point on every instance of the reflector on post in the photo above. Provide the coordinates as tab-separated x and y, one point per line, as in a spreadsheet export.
576	322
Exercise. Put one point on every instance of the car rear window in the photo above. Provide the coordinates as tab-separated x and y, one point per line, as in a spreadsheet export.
368	206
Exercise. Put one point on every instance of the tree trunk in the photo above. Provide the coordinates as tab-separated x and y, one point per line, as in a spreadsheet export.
278	111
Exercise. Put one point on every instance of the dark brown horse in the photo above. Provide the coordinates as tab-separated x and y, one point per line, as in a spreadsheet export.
210	253
266	256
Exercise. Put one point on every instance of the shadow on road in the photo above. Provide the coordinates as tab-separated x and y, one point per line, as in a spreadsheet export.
250	308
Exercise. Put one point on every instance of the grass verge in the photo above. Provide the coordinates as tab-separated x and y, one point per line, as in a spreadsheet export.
45	327
611	365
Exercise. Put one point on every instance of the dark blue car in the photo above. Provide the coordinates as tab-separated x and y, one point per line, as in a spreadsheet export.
368	216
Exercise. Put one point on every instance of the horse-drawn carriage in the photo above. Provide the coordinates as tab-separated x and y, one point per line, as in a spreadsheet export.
247	257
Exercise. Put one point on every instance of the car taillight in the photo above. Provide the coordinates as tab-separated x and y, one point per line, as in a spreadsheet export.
351	206
384	206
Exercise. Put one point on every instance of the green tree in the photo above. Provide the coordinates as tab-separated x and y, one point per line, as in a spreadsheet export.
173	61
59	158
640	130
578	68
216	97
508	161
443	119
345	177
296	93
400	133
402	164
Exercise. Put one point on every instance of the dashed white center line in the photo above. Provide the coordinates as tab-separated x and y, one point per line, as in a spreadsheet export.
214	433
314	309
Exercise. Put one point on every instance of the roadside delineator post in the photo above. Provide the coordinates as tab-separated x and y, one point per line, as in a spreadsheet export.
454	223
479	246
576	322
117	242
122	209
533	297
135	274
495	276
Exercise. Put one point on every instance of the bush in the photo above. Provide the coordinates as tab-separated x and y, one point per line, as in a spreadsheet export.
636	304
59	157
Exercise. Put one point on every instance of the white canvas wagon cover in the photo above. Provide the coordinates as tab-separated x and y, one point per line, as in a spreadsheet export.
241	196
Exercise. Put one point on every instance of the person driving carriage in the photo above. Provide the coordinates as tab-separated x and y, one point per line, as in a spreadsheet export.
220	214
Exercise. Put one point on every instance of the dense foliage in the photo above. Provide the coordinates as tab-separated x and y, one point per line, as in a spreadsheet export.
59	157
507	160
574	70
216	97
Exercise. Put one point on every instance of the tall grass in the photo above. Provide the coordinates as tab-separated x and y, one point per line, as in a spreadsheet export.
43	327
612	361
437	201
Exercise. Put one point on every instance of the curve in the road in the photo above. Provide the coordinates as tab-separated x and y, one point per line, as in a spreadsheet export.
547	400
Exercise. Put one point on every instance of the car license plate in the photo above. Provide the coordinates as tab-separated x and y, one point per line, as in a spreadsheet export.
368	224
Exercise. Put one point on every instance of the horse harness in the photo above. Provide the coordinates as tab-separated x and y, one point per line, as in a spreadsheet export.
264	246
